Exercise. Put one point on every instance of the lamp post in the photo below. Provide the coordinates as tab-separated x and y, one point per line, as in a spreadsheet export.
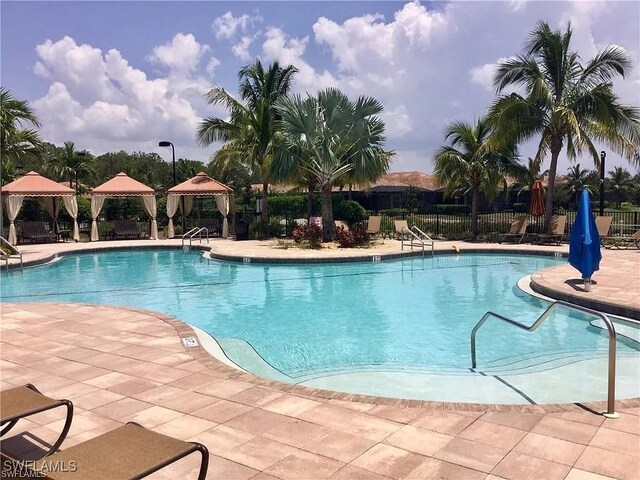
603	156
164	143
80	154
173	152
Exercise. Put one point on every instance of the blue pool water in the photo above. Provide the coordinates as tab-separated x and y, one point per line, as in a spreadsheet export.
305	318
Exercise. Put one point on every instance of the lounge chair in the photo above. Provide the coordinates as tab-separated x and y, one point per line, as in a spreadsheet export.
603	224
558	224
624	242
317	221
401	228
126	228
36	231
373	225
518	229
130	451
20	402
341	224
212	225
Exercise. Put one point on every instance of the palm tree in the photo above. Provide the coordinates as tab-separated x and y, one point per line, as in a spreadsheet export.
579	179
527	175
71	164
325	137
469	165
621	182
565	104
250	132
17	141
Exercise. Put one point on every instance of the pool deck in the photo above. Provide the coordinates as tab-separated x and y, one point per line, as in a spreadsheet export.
121	364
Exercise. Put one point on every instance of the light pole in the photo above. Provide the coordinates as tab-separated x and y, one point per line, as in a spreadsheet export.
173	152
164	143
80	154
603	156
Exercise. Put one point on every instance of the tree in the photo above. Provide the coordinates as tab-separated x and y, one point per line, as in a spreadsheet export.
565	103
325	137
16	140
469	165
621	183
579	179
250	132
527	175
71	164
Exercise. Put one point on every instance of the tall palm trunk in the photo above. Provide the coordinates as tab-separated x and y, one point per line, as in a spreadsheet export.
328	227
311	187
556	146
475	200
264	218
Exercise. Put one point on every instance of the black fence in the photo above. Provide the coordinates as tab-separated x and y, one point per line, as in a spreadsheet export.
438	225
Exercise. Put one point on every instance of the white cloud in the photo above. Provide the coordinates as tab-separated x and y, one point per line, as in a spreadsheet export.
484	75
227	25
241	49
120	107
397	121
182	55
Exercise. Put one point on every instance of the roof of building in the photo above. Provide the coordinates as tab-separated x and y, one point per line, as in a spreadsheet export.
122	185
35	185
201	184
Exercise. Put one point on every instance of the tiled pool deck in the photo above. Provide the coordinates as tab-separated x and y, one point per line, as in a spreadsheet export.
119	365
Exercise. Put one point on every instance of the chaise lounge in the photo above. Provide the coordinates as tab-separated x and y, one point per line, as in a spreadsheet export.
518	229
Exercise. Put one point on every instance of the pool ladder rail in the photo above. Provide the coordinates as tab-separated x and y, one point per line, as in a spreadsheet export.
611	386
195	232
15	252
416	238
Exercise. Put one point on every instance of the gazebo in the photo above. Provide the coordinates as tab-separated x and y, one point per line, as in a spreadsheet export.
202	185
35	185
123	186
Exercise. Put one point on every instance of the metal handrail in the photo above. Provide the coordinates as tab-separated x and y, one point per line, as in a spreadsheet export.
193	232
14	250
418	238
611	391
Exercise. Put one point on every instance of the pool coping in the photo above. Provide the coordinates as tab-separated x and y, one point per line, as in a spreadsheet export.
200	354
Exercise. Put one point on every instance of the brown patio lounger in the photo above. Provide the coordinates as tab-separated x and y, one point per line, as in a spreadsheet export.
128	452
558	224
373	225
21	402
518	229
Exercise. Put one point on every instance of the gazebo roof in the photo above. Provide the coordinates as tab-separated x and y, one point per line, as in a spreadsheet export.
35	185
201	184
122	185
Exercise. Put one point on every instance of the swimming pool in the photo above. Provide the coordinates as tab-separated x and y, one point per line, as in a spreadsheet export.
394	328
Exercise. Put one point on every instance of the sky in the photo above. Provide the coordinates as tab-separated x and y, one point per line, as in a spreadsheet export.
124	75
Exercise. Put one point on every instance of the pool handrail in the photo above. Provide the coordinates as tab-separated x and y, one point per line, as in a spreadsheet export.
193	232
15	252
611	389
417	235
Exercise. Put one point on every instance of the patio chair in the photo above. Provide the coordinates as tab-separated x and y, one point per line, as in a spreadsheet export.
373	225
341	224
36	231
558	224
20	402
212	225
603	224
129	451
518	229
401	228
625	242
317	221
126	228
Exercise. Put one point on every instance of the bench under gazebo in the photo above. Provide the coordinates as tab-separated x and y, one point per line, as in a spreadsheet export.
122	186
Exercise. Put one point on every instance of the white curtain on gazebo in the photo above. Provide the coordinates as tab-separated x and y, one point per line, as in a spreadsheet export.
97	202
222	201
71	204
149	202
13	203
172	207
186	206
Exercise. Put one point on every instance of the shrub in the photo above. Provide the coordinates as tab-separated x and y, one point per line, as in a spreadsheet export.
310	234
275	228
520	207
348	210
449	209
356	237
344	237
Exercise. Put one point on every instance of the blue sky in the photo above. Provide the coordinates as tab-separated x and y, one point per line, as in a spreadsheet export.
123	75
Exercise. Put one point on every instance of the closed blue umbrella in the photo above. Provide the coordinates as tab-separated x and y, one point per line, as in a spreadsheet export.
584	244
